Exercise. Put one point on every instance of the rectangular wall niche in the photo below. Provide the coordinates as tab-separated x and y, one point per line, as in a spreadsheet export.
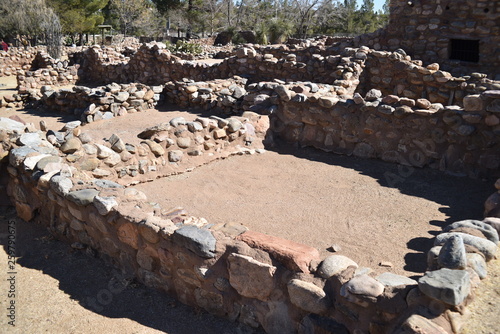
464	49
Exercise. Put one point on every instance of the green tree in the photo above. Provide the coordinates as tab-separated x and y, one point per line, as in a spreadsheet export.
367	17
79	16
165	6
350	16
30	18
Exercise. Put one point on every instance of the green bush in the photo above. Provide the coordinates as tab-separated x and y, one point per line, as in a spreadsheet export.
280	30
185	46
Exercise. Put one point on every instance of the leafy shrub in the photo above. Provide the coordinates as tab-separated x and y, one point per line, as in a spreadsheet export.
185	47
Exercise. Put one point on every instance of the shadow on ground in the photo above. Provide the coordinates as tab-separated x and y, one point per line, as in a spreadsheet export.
103	289
460	197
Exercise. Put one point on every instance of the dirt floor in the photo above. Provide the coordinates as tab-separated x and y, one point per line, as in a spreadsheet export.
300	194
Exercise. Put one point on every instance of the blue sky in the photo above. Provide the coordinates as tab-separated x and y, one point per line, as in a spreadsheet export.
378	4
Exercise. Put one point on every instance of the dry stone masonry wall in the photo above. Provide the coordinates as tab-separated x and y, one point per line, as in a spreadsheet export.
354	101
463	36
396	129
16	59
228	270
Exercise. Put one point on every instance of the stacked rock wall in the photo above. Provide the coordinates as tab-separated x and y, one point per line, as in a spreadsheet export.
396	129
228	270
16	59
443	31
93	104
153	65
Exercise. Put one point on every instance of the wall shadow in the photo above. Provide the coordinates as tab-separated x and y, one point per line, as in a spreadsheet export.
89	281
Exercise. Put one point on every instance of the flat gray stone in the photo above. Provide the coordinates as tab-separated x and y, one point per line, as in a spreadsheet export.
175	155
61	184
234	125
177	121
449	286
104	205
452	254
432	255
194	126
486	247
390	279
239	92
373	95
17	155
308	296
489	232
149	132
492	93
251	278
71	125
31	161
103	152
364	285
283	92
493	222
42	163
11	126
107	184
199	241
71	145
117	144
82	197
31	139
121	97
334	264
478	264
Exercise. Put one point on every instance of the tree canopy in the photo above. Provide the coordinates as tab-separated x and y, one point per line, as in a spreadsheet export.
79	16
272	20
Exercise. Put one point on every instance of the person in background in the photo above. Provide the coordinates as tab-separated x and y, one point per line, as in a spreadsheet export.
5	46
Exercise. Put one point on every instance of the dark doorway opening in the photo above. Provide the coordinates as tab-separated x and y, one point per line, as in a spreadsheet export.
464	49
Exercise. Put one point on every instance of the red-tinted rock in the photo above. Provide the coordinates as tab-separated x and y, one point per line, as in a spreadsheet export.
293	255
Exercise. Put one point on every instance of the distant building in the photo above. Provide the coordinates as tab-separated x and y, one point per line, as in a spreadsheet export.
462	35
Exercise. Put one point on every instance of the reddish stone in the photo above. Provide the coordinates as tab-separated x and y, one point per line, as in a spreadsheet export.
293	255
17	118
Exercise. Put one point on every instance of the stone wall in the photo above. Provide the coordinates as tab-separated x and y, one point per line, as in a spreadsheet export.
396	129
154	65
229	271
390	72
427	30
16	59
94	104
46	71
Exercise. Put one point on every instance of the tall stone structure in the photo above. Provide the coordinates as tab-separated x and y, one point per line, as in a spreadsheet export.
462	35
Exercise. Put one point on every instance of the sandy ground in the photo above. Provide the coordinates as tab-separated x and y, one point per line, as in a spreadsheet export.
60	290
300	194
